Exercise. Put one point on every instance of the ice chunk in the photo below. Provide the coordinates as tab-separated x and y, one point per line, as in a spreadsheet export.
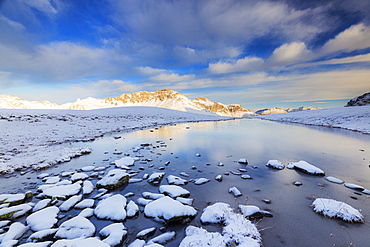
166	209
77	227
174	191
112	208
114	234
44	219
337	209
114	179
276	164
305	167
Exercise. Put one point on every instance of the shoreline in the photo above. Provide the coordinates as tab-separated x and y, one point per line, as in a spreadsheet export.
32	138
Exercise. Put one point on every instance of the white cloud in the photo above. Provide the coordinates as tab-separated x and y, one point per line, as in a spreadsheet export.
44	6
354	38
13	24
290	53
151	71
164	77
241	65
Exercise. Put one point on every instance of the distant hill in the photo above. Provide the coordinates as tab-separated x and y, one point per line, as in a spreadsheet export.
277	110
164	98
359	100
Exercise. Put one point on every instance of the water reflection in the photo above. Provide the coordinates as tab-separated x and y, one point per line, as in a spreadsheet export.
340	153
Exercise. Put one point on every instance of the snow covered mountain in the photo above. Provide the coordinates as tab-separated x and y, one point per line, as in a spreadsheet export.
164	98
277	110
360	100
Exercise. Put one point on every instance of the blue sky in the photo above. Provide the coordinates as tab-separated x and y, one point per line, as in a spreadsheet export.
260	54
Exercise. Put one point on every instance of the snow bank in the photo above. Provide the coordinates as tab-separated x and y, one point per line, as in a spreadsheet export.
336	209
28	137
353	118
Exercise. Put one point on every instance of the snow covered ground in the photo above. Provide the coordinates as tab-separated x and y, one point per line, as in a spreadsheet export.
29	138
353	118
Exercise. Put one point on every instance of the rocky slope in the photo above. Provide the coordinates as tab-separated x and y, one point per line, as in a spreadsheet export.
360	100
164	98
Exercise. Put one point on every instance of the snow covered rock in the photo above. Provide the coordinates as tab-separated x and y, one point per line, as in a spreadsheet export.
125	161
67	205
235	191
80	242
174	191
334	180
163	238
43	235
12	199
200	181
237	231
132	209
153	196
253	211
41	204
87	187
168	210
305	167
63	192
337	209
243	161
276	164
354	186
113	234
171	179
86	203
114	179
144	234
359	100
41	244
87	212
112	208
14	211
43	219
156	178
79	176
77	227
15	232
185	201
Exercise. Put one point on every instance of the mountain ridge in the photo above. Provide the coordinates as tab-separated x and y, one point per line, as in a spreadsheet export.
164	98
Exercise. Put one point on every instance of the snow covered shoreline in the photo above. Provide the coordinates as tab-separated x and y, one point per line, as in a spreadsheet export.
356	118
30	138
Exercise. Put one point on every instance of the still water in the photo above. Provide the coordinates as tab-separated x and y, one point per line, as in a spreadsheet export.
340	153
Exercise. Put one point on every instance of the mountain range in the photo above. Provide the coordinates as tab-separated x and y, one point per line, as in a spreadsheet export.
164	98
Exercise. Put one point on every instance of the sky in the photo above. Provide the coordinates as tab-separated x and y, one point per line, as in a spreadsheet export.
260	54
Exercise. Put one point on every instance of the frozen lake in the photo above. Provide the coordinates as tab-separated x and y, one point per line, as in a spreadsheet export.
340	153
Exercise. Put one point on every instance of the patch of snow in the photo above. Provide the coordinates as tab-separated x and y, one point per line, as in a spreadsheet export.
276	164
77	227
174	191
336	209
307	168
112	208
43	219
166	209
